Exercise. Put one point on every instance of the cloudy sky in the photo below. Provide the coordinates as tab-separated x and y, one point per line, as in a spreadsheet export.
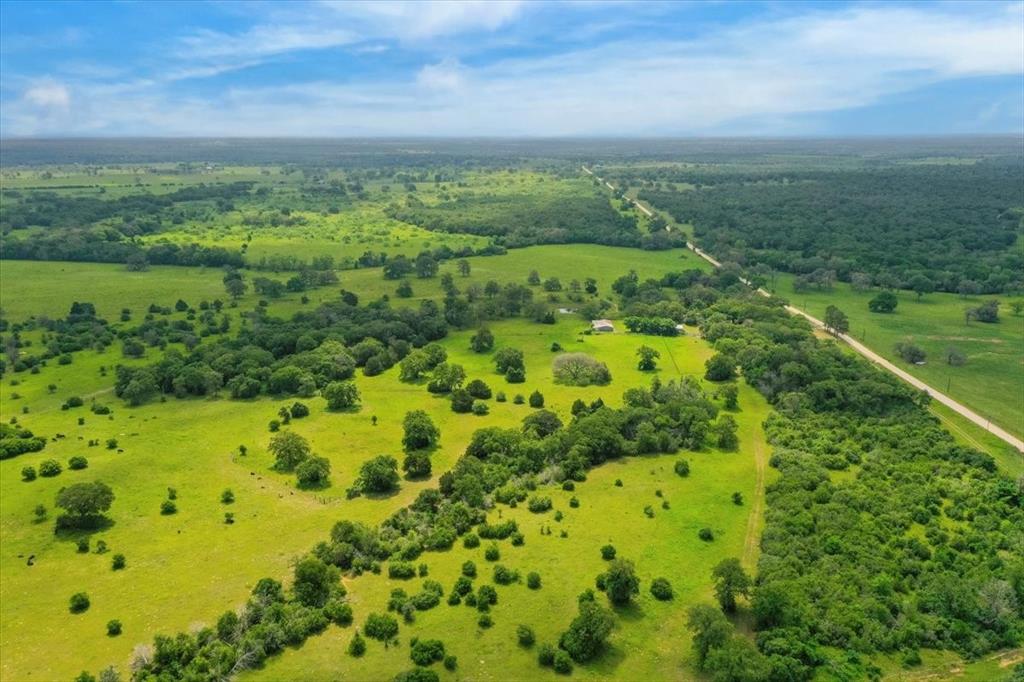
508	68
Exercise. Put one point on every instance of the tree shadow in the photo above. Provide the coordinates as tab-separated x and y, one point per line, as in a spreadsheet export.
74	529
632	611
376	495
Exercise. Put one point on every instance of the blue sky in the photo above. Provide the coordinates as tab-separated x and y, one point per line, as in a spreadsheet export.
511	68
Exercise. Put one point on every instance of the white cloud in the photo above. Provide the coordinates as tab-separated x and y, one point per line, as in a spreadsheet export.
428	18
447	74
772	72
48	95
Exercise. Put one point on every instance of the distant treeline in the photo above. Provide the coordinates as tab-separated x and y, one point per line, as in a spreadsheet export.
85	247
947	223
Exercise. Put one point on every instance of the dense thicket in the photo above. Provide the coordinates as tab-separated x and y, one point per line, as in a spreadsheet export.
949	223
524	220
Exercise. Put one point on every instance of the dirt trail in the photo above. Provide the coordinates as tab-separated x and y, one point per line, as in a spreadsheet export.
865	351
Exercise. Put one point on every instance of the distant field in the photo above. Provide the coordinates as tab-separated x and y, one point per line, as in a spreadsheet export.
49	288
992	381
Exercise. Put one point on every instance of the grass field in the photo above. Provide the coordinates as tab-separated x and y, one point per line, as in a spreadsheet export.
49	288
176	448
992	381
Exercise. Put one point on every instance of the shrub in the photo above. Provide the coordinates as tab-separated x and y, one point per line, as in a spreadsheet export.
79	602
227	497
82	546
485	621
524	633
537	504
299	410
462	401
568	486
478	389
469	569
533	580
167	507
737	499
379	475
28	474
537	399
78	463
706	534
338	612
49	468
487	595
518	399
562	663
504	575
113	628
492	553
417	675
341	395
500	397
419	431
608	552
118	562
427	651
480	409
417	464
588	631
401	570
574	502
661	589
546	655
357	647
313	472
471	541
380	626
451	662
682	468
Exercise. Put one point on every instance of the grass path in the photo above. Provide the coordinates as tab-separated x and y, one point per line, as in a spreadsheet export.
755	523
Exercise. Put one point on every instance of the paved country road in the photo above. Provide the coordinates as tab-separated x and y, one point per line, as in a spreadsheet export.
862	349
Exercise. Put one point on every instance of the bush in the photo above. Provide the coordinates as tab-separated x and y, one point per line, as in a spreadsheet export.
471	541
500	397
487	595
533	580
299	410
524	633
227	497
706	534
608	552
417	464
379	475
538	504
338	612
167	507
118	562
536	399
79	602
504	575
380	626
82	546
485	621
451	662
682	468
417	675
313	472
562	663
661	589
341	395
469	569
78	463
492	553
546	655
518	399
427	651
49	468
28	474
478	389
401	570
357	647
480	409
113	628
462	401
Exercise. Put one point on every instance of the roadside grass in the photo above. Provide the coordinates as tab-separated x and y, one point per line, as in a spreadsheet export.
992	381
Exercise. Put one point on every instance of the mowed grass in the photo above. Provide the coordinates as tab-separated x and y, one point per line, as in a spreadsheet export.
992	381
189	567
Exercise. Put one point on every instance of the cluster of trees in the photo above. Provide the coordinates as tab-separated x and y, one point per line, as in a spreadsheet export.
88	246
525	220
17	440
947	224
310	352
78	330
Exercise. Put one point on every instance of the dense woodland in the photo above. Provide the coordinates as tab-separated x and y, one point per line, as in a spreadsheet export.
946	223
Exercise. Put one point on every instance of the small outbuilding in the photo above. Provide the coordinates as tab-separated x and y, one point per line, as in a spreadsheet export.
602	325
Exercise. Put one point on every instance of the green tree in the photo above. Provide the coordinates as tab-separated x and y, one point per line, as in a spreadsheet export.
289	450
588	631
313	472
710	630
621	582
648	358
314	581
730	580
84	503
884	302
836	321
379	475
482	341
341	395
720	367
921	285
420	432
463	266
